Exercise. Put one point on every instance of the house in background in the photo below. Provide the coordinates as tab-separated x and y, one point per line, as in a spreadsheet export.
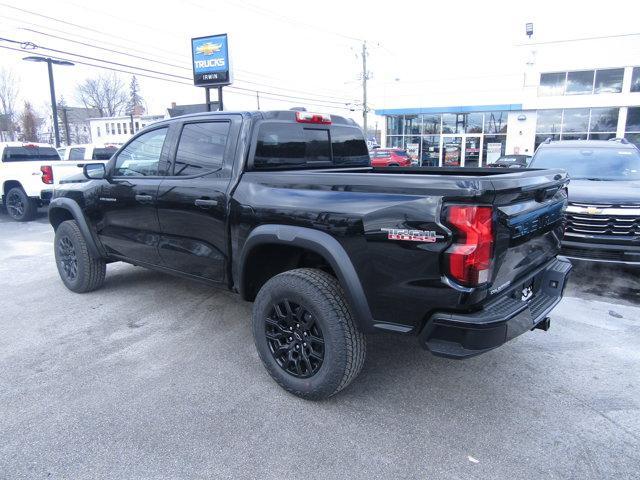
74	124
120	128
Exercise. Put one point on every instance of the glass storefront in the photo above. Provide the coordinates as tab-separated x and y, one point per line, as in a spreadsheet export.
450	139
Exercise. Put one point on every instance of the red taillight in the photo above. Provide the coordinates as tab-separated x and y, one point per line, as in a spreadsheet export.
470	258
47	174
308	117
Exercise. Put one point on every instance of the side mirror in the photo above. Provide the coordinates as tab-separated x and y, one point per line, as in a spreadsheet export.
94	171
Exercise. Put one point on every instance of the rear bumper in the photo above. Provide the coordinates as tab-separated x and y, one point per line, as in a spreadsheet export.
602	252
462	335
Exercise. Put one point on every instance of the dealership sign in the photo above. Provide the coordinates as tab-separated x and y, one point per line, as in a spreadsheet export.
210	59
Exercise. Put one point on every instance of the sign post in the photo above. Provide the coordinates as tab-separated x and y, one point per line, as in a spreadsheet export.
210	60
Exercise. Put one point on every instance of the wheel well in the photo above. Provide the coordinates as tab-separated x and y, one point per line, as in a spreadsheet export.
59	215
8	185
266	261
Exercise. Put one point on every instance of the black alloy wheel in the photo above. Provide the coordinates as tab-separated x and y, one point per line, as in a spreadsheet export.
67	258
15	204
294	338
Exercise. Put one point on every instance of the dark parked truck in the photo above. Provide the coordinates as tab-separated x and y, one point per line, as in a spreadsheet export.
284	208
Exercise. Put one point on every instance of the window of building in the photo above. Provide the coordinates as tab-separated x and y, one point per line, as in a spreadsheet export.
124	128
395	125
141	157
632	131
609	80
577	124
575	120
201	148
579	83
552	84
119	128
604	120
412	125
495	122
395	141
113	129
137	126
430	124
430	151
635	79
493	147
549	121
473	122
98	131
107	131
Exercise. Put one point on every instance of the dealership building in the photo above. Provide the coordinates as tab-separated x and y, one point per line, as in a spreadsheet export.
570	104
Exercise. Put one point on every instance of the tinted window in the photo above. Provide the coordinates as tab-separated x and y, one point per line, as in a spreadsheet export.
201	148
400	153
76	154
142	156
551	84
431	123
290	145
103	153
349	147
384	154
23	154
579	82
591	163
635	80
609	81
495	122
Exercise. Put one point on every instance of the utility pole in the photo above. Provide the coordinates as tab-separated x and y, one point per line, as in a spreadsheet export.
65	120
365	77
258	98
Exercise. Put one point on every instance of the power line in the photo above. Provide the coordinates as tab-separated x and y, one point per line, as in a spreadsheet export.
129	48
118	64
568	40
268	96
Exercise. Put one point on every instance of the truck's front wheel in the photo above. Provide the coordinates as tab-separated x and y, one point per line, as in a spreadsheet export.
305	334
19	206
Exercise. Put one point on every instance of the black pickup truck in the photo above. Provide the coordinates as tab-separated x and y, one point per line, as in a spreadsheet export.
284	208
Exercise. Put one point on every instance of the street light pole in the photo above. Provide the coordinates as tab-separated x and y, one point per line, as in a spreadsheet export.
54	108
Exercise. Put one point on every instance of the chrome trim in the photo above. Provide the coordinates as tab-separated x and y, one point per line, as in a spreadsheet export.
619	262
604	210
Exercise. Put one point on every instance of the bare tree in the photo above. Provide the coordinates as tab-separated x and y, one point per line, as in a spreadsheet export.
29	123
9	88
106	93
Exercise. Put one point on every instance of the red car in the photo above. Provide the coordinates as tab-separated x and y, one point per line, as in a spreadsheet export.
390	157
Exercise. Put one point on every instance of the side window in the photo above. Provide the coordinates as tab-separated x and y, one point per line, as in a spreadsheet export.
76	154
142	156
201	148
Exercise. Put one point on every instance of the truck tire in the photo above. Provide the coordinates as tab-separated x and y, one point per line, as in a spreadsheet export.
305	334
19	206
80	271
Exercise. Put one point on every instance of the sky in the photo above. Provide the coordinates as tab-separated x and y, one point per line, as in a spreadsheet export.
297	53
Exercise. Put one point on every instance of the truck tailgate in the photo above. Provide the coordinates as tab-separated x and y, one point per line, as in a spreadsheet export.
529	225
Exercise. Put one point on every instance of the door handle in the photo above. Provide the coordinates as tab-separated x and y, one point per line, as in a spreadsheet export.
201	202
144	198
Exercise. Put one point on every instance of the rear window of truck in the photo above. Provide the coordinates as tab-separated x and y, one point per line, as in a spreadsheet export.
25	154
103	153
286	145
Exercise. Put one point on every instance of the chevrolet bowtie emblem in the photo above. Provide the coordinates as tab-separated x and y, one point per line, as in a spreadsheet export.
594	210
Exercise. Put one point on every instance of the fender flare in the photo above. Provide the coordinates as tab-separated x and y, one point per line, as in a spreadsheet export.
324	245
74	209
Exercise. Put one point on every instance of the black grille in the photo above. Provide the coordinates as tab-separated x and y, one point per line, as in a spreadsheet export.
627	225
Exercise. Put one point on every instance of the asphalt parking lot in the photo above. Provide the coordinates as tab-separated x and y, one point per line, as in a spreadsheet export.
157	377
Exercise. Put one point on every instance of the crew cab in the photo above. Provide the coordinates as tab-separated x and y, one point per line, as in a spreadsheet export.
29	172
284	208
603	216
